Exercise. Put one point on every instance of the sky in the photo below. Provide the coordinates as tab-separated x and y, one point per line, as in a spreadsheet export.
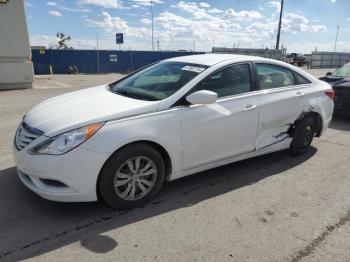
191	25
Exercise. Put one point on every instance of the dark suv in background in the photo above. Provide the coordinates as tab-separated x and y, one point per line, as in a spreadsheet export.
296	59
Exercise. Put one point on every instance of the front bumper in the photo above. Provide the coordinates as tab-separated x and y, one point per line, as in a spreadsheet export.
70	177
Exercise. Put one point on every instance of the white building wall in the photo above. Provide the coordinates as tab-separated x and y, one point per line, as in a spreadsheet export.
16	69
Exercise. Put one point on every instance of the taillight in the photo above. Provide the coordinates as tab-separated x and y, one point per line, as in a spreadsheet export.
330	94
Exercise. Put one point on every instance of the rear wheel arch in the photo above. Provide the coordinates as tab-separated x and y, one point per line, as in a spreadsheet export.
318	123
317	120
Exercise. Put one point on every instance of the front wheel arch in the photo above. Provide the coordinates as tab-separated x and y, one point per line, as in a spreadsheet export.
164	153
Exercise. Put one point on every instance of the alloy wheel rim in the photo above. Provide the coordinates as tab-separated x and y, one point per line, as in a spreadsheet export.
135	178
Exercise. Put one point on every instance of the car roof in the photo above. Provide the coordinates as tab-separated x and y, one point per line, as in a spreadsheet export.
209	59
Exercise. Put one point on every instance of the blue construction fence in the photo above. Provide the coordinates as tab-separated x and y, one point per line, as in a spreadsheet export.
93	61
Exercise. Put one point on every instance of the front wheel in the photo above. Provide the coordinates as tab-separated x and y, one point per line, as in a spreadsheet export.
302	136
132	176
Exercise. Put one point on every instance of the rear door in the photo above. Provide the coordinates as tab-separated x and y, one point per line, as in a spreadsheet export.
280	103
227	128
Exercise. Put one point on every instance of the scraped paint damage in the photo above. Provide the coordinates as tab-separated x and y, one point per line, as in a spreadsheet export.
285	131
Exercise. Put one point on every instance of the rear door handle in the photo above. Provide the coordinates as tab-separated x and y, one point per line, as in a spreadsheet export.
299	94
249	107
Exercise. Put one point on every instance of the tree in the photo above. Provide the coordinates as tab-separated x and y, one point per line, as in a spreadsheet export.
53	45
62	40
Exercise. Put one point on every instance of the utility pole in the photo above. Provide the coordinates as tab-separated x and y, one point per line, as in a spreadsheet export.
279	27
98	54
336	39
152	24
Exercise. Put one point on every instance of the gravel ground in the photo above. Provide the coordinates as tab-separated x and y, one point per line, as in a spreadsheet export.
271	208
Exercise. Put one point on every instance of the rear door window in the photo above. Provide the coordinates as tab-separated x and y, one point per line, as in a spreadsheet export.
272	76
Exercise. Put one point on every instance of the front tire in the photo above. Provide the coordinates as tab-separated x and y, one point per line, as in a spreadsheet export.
132	176
302	136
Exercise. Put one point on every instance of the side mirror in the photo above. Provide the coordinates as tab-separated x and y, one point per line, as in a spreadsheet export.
328	73
202	97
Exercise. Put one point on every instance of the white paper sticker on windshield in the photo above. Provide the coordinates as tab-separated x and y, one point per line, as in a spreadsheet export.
193	69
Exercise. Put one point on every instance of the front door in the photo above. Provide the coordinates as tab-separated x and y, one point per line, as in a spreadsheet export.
227	128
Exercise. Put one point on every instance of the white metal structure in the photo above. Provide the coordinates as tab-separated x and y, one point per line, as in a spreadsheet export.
16	69
102	139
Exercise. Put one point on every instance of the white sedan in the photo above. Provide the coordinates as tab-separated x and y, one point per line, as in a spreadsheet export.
171	119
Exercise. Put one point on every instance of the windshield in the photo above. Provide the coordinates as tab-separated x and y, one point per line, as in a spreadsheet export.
343	71
157	82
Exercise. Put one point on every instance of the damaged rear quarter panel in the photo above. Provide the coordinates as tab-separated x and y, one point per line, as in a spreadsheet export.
315	100
279	109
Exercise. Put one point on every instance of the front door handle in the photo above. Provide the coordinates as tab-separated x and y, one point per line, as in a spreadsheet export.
249	107
299	94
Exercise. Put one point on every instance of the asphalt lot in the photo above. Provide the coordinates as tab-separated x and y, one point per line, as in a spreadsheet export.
271	208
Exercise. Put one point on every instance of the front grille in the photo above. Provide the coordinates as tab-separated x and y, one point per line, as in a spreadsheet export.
25	135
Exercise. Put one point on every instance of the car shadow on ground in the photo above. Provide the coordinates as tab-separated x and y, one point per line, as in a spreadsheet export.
340	123
30	225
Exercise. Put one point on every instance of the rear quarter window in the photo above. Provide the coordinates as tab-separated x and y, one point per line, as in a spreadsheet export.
301	80
274	76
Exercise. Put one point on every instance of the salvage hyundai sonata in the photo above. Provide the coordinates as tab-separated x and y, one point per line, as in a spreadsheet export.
121	141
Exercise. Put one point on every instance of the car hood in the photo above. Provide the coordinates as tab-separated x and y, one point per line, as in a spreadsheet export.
84	107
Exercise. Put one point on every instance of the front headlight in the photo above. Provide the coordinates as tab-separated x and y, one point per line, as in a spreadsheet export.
65	142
